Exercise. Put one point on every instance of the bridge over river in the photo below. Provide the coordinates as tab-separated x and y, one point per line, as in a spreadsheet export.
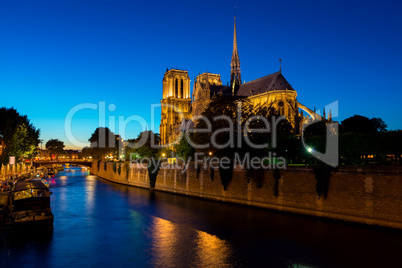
50	163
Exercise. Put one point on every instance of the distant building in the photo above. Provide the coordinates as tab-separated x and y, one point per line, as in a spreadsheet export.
71	154
43	155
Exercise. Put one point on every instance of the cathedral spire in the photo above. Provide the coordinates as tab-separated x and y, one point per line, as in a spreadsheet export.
235	77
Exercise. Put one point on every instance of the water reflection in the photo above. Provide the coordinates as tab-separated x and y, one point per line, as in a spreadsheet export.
62	180
212	251
90	189
173	243
165	246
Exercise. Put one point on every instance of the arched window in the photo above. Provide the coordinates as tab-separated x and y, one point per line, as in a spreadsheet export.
181	88
176	89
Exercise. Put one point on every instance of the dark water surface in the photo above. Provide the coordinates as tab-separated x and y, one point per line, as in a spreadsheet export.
100	224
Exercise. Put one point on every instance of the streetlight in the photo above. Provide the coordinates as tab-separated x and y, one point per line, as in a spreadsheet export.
210	153
309	149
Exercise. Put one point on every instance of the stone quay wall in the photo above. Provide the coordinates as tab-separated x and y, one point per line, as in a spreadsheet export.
363	195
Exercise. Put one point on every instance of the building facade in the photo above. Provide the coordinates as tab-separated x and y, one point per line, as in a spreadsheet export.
272	91
175	103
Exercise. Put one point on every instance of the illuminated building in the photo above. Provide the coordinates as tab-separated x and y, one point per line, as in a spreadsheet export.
176	103
272	91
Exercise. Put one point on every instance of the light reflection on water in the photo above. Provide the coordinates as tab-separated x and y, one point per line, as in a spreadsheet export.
90	188
98	223
212	251
206	250
164	243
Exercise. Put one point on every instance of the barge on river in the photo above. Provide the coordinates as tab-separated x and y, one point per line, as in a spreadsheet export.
30	204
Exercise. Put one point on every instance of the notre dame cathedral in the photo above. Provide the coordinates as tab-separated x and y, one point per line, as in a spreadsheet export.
179	106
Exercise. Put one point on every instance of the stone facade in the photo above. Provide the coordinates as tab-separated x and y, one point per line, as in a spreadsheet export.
205	87
176	104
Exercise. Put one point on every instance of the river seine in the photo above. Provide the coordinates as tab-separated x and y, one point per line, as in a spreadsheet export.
101	224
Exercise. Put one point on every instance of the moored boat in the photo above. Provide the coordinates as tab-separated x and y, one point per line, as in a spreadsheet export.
41	172
30	204
51	172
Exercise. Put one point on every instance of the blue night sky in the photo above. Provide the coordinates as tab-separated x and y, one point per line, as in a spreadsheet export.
57	54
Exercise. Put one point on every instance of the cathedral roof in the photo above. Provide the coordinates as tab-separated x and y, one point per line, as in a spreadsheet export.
271	82
219	90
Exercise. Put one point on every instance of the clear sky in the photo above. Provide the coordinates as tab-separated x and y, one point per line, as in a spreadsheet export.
57	54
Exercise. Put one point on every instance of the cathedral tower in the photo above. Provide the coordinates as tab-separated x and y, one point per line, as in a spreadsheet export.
176	104
206	86
235	77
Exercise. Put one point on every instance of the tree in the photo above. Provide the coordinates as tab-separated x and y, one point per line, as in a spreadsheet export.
360	137
283	129
104	142
234	132
362	124
227	116
19	136
184	149
147	146
21	144
379	124
86	152
55	147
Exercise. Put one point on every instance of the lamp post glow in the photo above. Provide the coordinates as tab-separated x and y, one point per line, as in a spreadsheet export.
309	149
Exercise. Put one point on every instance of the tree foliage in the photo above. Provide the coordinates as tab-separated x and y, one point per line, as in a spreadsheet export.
253	130
146	145
361	141
104	142
21	144
362	124
183	148
19	136
227	115
86	152
55	147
